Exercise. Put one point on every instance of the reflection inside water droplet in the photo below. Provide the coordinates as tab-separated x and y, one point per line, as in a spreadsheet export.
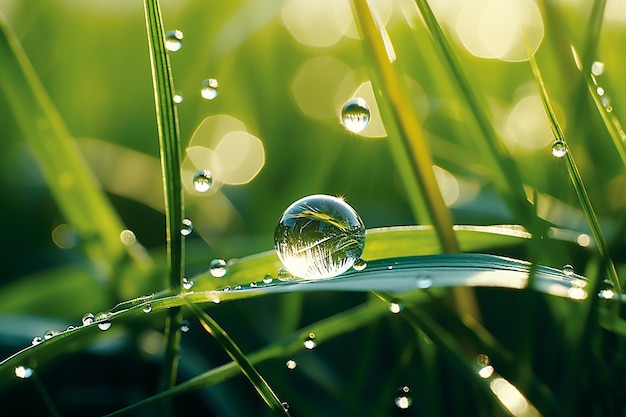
209	89
188	283
23	372
319	236
402	399
559	148
174	40
203	180
187	227
355	115
310	342
568	270
284	275
218	268
87	319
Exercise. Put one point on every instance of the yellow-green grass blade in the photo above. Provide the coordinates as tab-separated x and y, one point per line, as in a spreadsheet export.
74	187
231	348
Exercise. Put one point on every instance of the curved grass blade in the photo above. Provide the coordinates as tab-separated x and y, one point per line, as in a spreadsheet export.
259	383
577	181
169	147
69	179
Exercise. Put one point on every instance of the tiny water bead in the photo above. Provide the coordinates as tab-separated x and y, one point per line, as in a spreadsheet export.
87	319
568	270
218	268
559	148
147	308
402	399
184	326
395	307
359	265
310	342
174	40
284	275
209	89
23	372
355	115
424	283
178	98
104	325
187	227
49	334
482	359
202	181
188	283
285	405
291	364
267	279
319	236
597	68
36	340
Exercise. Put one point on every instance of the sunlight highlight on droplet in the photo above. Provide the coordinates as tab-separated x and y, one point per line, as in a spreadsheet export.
510	397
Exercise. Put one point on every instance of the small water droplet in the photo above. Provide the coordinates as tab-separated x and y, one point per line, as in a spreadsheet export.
284	275
359	264
597	68
187	227
237	287
178	98
559	148
23	372
319	236
424	282
285	405
600	91
87	319
49	334
291	364
203	180
568	270
482	359
267	279
128	237
209	89
147	308
184	326
218	268
36	340
226	288
104	325
70	328
606	294
355	115
188	283
253	285
395	308
174	40
310	342
402	399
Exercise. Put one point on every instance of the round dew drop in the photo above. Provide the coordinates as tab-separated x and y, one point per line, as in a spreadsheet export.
187	227
209	89
359	265
310	342
104	325
218	268
147	308
568	270
188	283
559	149
402	398
87	319
23	372
267	279
291	364
178	98
355	115
319	236
184	326
202	181
597	68
36	340
174	40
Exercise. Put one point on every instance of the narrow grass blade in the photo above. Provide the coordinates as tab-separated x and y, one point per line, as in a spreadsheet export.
577	181
505	176
169	147
262	387
69	179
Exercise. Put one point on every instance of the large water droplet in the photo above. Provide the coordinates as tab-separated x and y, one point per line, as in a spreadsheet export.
188	283
355	115
174	40
310	342
36	340
319	236
104	325
184	326
267	279
597	68
402	399
209	89
359	264
187	227
218	268
202	181
291	364
87	319
568	270
23	372
559	148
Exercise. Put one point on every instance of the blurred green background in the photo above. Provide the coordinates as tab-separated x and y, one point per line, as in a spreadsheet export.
284	69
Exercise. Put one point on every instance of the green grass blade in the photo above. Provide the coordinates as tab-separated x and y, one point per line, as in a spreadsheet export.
259	383
402	114
169	147
71	182
506	178
577	182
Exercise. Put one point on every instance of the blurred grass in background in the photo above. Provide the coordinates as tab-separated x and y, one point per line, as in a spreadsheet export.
285	69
